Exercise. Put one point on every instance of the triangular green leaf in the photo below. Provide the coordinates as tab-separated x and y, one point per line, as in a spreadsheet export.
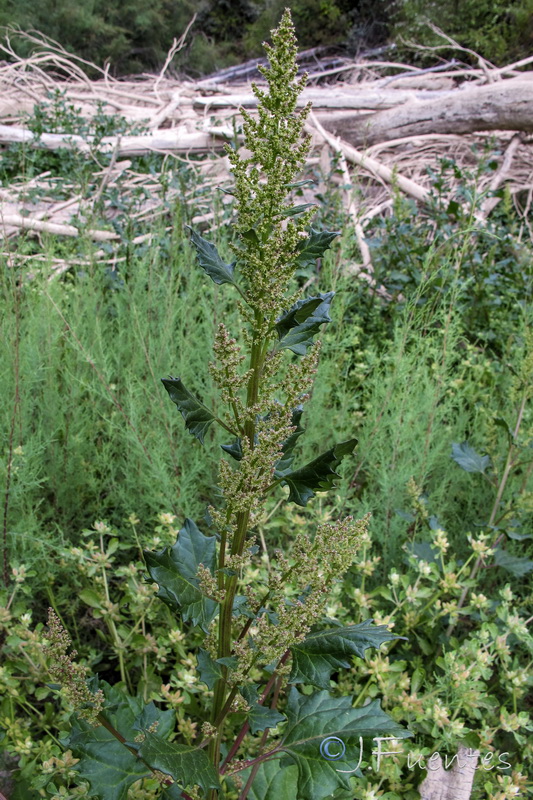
316	476
468	459
273	782
315	246
260	717
189	766
297	327
197	417
210	261
209	670
324	652
311	719
174	569
234	449
105	762
516	565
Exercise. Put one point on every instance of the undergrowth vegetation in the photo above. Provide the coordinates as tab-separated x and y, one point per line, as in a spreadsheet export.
433	376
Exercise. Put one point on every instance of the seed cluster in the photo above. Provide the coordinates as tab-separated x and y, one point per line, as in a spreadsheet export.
71	675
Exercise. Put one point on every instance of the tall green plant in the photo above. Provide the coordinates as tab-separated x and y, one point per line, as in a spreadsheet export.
259	639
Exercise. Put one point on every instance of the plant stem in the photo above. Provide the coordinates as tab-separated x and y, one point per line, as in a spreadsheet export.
237	546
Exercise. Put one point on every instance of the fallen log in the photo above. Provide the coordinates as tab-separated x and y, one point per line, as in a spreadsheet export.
329	97
31	224
160	141
505	105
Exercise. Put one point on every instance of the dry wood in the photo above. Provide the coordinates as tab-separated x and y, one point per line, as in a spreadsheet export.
32	224
506	105
349	97
409	118
500	176
160	141
450	784
367	163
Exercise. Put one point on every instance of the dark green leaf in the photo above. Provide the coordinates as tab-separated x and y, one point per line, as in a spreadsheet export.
502	423
512	534
228	661
422	550
297	327
210	261
189	766
324	652
106	763
150	715
314	247
318	475
197	417
516	565
289	444
242	607
250	236
209	670
314	718
173	792
234	449
273	782
468	459
295	210
260	717
174	569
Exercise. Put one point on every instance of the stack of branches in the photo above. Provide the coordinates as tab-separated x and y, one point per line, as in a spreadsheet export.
385	121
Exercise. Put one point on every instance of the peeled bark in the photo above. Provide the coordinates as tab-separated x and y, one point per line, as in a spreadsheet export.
505	105
450	784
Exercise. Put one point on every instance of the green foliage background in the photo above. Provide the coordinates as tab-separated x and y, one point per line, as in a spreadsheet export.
135	35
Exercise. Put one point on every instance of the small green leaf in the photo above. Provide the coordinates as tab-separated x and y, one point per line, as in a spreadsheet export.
316	476
90	598
174	569
189	766
295	210
502	423
468	459
197	417
210	261
516	565
301	323
259	717
512	534
324	652
297	184
312	719
417	679
314	247
209	670
234	449
289	444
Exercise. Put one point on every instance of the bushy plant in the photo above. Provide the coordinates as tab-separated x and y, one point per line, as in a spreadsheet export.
256	636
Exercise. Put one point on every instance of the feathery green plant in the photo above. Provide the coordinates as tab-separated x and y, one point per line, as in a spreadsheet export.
262	638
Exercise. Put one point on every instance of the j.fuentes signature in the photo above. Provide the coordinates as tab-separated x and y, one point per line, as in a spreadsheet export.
332	748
